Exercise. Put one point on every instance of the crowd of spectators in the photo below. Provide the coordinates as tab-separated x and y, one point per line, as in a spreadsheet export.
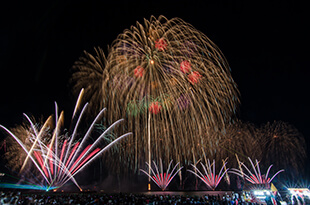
120	198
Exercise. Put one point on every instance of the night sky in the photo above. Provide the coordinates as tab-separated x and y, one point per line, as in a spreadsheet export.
266	45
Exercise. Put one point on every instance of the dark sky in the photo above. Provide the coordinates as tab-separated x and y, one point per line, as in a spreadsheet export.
266	45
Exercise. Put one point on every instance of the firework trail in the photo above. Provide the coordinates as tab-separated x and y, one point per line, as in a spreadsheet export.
15	155
57	167
208	175
160	177
169	80
283	146
255	177
240	138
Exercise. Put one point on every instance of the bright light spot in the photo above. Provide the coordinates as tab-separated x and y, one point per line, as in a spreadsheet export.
261	197
152	62
149	187
259	193
306	193
300	191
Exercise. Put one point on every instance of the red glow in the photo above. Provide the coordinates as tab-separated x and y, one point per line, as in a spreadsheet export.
87	158
155	107
81	155
40	160
207	180
161	44
194	77
155	179
139	71
185	66
72	152
62	153
255	179
51	158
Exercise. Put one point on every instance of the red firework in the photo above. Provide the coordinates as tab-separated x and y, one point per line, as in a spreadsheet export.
139	71
161	44
160	177
194	77
185	66
155	107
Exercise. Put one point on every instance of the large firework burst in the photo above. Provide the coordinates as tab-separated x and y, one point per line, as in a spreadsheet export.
171	82
240	138
283	146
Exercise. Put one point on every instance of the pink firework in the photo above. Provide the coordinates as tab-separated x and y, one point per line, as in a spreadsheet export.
155	107
256	177
139	71
58	167
194	77
185	66
161	44
209	177
160	177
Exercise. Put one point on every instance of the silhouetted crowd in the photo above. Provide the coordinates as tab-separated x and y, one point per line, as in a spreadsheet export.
121	198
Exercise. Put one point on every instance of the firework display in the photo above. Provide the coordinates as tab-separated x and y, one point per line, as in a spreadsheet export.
241	138
208	174
255	177
169	80
15	154
284	146
172	89
160	177
58	162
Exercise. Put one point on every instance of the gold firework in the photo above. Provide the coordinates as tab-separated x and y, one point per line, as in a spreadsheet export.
284	147
169	80
15	155
241	139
